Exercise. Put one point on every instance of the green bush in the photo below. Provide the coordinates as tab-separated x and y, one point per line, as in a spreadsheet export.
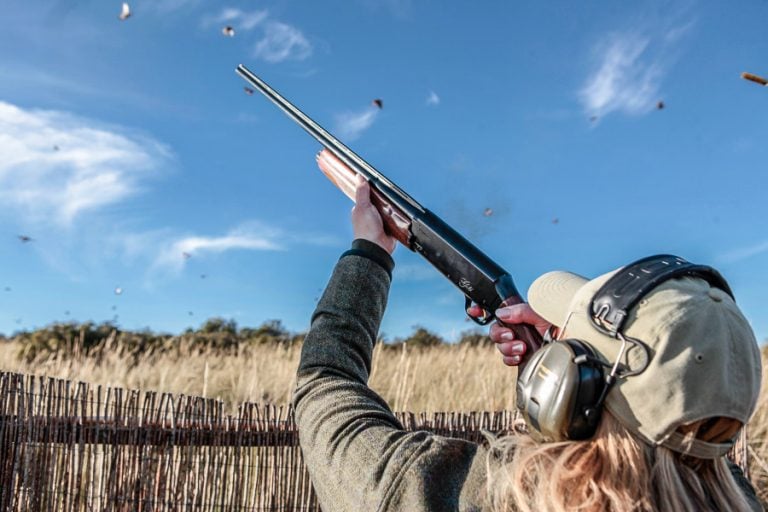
217	334
421	338
475	338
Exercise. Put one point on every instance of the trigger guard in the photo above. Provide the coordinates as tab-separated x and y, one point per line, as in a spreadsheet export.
483	320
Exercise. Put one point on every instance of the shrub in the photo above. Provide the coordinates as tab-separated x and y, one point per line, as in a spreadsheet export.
421	338
474	338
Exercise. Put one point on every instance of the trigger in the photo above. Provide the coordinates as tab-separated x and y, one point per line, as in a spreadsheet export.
483	320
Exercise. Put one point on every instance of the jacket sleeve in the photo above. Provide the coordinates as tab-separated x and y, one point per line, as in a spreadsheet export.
358	455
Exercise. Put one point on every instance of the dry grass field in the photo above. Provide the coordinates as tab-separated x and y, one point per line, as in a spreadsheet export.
437	378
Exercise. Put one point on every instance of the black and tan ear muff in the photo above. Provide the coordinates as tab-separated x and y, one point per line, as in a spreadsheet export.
561	390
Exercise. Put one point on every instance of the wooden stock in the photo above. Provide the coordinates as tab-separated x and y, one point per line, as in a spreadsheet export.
396	223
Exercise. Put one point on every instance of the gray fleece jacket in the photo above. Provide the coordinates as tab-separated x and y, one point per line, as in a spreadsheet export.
358	454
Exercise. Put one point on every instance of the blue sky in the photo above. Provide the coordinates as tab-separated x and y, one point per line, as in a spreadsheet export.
135	161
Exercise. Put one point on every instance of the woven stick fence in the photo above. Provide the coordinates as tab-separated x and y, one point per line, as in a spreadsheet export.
69	446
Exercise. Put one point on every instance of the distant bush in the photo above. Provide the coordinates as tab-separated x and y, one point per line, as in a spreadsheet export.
271	331
94	340
219	325
77	340
474	338
421	338
215	334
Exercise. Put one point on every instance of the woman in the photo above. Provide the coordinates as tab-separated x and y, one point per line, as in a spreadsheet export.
652	450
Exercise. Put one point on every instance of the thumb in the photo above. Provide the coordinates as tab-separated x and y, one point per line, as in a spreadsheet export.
362	192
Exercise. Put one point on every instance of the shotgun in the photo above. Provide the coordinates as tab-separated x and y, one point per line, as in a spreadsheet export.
478	277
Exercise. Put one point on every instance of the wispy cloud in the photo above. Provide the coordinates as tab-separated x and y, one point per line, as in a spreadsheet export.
350	125
169	253
629	69
276	41
744	253
56	166
237	18
433	99
624	81
252	236
282	42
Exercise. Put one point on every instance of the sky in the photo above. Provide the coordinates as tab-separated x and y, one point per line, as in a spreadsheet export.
156	193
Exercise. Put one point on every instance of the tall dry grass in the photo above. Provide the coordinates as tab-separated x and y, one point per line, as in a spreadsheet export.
438	378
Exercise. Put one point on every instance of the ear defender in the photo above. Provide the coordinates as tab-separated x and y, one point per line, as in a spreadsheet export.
559	391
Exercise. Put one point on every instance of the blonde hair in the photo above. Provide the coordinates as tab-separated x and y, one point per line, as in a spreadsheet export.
614	471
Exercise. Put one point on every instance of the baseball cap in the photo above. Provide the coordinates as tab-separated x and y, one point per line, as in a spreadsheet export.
702	361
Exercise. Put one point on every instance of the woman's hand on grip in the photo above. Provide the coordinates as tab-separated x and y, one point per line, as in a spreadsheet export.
512	348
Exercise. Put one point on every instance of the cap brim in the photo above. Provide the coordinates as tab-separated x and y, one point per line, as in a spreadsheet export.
551	294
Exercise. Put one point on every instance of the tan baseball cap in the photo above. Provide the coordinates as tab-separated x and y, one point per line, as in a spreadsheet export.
704	359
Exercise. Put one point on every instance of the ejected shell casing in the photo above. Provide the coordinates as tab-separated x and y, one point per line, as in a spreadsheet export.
754	78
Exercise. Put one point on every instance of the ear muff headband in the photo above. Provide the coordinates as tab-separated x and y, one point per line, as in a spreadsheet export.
613	301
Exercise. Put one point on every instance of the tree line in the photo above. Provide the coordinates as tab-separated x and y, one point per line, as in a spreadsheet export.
215	334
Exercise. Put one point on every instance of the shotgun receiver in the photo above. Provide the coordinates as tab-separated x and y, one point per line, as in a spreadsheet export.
478	277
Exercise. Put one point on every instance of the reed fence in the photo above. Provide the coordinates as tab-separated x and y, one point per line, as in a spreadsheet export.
71	447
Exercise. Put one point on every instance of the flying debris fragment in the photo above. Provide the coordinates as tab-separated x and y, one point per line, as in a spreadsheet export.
125	13
378	102
592	119
24	239
754	78
555	221
488	212
660	105
228	31
118	291
186	255
248	91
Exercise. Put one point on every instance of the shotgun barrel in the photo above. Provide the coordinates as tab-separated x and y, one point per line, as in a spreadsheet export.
334	145
478	277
